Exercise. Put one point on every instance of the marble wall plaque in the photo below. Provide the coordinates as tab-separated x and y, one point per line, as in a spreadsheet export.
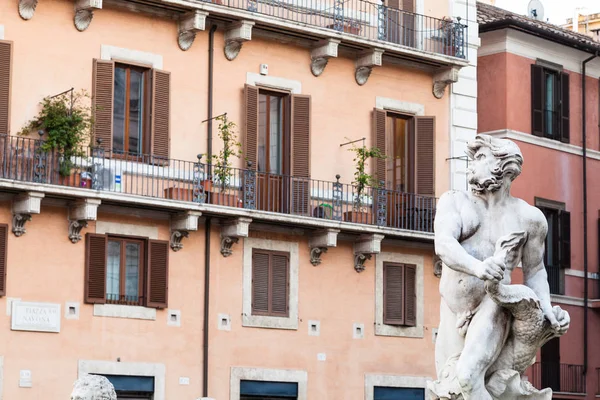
37	317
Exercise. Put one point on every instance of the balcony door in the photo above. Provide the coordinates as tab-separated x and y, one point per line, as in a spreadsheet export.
551	364
400	22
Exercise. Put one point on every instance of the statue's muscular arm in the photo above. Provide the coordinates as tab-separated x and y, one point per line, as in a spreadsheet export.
449	228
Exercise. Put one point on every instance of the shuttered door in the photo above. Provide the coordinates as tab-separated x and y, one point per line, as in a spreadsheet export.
564	108
394	21
161	111
379	170
279	285
565	239
260	283
102	102
393	294
300	149
3	257
5	81
408	23
251	125
410	295
537	100
157	283
425	155
95	268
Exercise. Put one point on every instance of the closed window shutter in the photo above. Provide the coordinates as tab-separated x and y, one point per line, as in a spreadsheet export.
537	100
95	268
3	257
102	102
300	136
157	283
161	111
279	284
408	5
564	108
5	80
565	239
379	170
251	125
260	283
410	295
425	155
393	294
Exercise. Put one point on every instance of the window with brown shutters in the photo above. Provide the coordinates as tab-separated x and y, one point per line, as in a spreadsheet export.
399	294
3	257
157	283
557	254
5	85
550	103
95	268
425	155
270	283
300	154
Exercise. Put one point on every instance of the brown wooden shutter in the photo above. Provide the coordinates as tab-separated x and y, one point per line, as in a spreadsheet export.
260	283
565	239
251	125
393	294
300	157
5	85
102	102
95	268
425	155
279	284
379	170
564	108
537	100
157	282
410	295
408	5
3	257
161	111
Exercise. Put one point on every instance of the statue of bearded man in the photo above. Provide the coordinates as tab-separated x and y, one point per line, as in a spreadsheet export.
470	227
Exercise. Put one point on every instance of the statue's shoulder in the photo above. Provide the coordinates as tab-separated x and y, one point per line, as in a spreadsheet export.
532	215
456	197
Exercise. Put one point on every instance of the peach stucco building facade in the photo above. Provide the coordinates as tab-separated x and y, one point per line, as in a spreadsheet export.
133	267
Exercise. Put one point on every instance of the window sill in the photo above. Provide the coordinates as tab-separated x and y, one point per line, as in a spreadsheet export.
399	331
261	321
122	311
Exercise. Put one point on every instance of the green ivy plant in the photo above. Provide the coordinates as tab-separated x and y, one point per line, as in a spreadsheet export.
67	122
362	179
231	148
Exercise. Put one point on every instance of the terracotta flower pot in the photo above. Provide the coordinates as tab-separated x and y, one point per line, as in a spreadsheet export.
359	217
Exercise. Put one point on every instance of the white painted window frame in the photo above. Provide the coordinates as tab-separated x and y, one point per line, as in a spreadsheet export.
382	329
400	381
239	374
260	321
128	369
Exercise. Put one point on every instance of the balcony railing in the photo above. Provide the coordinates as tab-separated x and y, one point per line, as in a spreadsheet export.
555	279
368	19
565	378
22	159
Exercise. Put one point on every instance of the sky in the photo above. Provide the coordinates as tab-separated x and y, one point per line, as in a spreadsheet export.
557	11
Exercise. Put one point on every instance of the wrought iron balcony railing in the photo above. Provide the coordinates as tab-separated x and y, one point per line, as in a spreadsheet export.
367	19
22	159
565	378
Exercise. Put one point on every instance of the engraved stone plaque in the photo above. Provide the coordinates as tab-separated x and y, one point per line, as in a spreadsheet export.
37	317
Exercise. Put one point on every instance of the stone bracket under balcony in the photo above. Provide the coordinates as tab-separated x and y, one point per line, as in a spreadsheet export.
27	8
236	34
319	242
365	63
80	212
24	205
443	79
321	53
84	12
181	226
231	232
364	248
189	24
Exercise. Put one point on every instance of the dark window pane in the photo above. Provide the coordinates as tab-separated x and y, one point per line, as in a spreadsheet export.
275	135
132	271
136	101
119	109
262	133
112	270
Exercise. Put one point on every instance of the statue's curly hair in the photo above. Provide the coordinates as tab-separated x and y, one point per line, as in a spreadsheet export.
508	154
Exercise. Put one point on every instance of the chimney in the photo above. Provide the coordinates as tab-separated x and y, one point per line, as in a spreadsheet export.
576	20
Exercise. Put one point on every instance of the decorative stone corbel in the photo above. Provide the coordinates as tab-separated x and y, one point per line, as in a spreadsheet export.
443	79
319	242
84	12
365	63
321	53
80	213
231	232
235	35
189	24
181	225
364	248
24	205
27	8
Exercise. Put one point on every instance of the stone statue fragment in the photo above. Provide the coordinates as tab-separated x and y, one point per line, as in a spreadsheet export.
93	387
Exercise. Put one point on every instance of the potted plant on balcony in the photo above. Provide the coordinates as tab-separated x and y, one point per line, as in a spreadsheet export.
66	122
447	36
362	180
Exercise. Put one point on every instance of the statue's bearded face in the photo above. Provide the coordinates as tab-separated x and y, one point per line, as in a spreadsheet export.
483	172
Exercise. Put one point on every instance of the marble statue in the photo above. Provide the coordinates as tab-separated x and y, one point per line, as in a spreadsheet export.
93	387
490	330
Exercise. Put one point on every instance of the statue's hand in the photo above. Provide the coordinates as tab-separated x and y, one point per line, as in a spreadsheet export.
559	318
491	269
